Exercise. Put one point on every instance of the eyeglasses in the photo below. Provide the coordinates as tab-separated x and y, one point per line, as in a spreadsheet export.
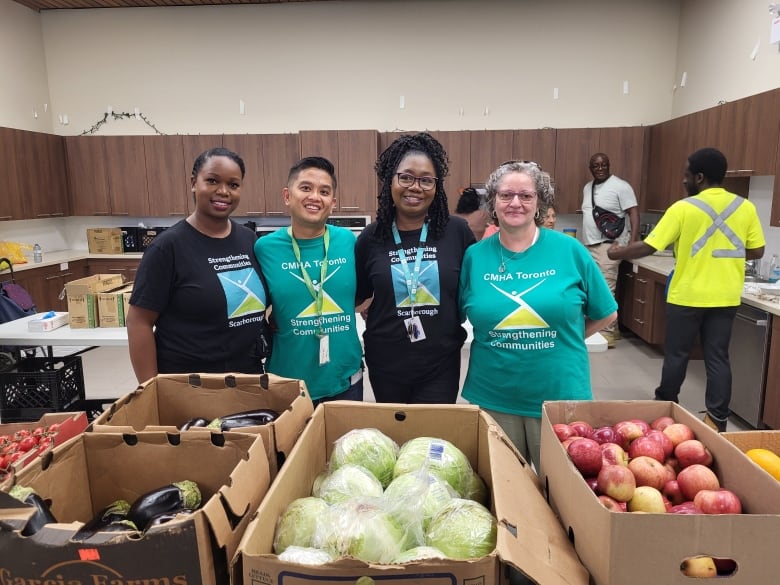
603	165
406	180
521	162
508	196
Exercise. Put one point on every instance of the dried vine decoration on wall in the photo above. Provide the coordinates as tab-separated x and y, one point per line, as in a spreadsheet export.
119	116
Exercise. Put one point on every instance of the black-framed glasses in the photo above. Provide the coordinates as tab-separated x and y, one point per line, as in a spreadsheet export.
522	162
524	196
426	183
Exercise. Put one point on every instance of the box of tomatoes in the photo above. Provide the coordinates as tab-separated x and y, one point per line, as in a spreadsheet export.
22	442
649	494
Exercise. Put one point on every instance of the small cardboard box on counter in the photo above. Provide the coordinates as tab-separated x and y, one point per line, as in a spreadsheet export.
105	240
529	535
86	474
111	306
645	549
82	301
167	401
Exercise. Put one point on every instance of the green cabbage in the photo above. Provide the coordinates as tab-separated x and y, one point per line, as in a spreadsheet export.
417	497
369	448
477	490
442	458
419	553
303	555
297	524
463	529
348	482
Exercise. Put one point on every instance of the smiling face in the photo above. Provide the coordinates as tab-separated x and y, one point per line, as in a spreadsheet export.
310	198
217	188
412	203
516	213
599	168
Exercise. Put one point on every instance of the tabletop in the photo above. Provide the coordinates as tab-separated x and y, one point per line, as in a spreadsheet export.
16	333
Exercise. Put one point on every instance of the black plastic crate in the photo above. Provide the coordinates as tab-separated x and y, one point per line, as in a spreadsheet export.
40	385
146	236
130	239
94	407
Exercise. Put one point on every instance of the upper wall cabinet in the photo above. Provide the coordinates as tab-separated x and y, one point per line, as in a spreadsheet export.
87	175
166	181
127	182
537	146
457	145
41	175
11	204
279	152
573	149
489	148
250	148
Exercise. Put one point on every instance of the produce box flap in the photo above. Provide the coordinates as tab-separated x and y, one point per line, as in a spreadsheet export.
746	440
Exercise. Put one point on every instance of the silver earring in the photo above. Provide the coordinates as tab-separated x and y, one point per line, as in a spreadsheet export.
538	214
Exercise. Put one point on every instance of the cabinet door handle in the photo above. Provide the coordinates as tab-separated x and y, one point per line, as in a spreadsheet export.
274	212
6	216
120	213
255	213
639	321
101	213
640	301
43	215
641	281
349	207
177	213
58	214
52	277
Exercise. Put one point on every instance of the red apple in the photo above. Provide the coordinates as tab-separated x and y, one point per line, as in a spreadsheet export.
672	463
610	504
720	501
563	431
569	441
626	432
648	447
663	440
672	492
643	424
686	507
667	503
678	432
592	482
582	428
604	435
647	499
695	478
586	456
616	482
692	451
671	474
662	422
648	471
613	454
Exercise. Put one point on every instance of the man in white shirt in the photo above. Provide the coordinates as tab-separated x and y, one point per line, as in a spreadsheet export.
615	195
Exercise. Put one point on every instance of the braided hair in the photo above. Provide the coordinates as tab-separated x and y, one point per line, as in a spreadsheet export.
386	167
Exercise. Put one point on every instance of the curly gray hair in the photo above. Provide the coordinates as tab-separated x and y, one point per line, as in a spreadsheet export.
545	190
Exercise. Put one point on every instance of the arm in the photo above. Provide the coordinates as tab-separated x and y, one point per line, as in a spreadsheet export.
633	217
634	250
754	253
592	327
140	336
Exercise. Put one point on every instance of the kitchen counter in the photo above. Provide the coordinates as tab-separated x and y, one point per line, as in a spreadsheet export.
54	258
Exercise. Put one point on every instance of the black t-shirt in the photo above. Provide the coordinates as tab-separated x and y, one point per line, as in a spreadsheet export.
211	299
387	345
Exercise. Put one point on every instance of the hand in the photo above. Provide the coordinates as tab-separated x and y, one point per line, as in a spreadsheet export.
613	251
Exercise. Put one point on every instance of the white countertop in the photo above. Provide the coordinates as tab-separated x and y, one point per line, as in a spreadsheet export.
16	333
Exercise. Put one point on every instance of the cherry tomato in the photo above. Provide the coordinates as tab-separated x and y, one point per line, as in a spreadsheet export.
4	439
27	443
39	432
2	462
45	443
18	435
8	449
13	457
52	429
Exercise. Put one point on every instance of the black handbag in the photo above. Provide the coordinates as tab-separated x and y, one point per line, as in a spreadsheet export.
609	224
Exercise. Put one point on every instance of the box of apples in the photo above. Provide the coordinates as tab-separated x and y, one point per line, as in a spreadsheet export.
649	494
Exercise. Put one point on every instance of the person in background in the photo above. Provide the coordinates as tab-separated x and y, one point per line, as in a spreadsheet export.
310	271
471	208
550	216
409	261
713	232
532	296
616	195
198	301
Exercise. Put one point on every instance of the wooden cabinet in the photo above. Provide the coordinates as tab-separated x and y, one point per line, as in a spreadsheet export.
627	150
280	152
642	302
167	183
126	169
771	416
41	176
669	152
250	148
11	203
87	175
457	145
489	148
573	149
537	146
46	284
126	267
747	133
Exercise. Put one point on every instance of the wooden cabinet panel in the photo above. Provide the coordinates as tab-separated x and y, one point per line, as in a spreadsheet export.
625	147
12	201
457	144
41	175
249	147
666	163
358	186
489	148
126	169
644	297
536	145
771	416
323	143
56	195
87	175
747	133
280	152
167	184
573	149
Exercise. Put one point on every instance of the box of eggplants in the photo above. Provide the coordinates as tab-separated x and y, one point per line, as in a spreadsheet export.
276	408
148	507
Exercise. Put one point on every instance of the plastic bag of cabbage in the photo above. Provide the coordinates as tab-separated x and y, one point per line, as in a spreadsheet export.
381	504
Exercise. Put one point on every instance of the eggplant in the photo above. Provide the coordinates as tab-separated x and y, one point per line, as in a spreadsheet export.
112	518
198	421
169	498
248	418
42	515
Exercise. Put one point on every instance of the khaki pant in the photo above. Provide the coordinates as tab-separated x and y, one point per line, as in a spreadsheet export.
609	268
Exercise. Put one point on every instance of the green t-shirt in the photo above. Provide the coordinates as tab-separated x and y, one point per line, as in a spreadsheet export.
295	351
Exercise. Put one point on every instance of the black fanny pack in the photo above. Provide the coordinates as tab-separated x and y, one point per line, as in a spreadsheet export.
609	224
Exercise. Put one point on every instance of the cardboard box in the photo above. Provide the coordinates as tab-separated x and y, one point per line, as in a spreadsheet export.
746	440
111	306
529	535
644	549
82	302
70	425
89	472
105	240
47	321
167	401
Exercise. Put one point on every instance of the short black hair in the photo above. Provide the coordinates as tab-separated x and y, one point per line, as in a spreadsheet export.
711	163
217	151
312	162
469	201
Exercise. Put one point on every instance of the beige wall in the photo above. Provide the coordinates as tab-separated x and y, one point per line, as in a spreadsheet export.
23	82
717	39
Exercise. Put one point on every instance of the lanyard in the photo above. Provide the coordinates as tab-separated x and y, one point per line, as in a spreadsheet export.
318	294
412	279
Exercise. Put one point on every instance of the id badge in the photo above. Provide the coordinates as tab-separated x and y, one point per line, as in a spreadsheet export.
324	349
414	329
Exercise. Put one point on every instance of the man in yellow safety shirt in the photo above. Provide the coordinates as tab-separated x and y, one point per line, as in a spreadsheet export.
713	232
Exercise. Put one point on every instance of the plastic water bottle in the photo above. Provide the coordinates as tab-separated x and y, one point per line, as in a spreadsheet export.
774	269
37	254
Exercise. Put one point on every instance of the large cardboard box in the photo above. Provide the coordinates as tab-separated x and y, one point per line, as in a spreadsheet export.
167	401
529	535
82	302
645	549
105	240
111	306
89	472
